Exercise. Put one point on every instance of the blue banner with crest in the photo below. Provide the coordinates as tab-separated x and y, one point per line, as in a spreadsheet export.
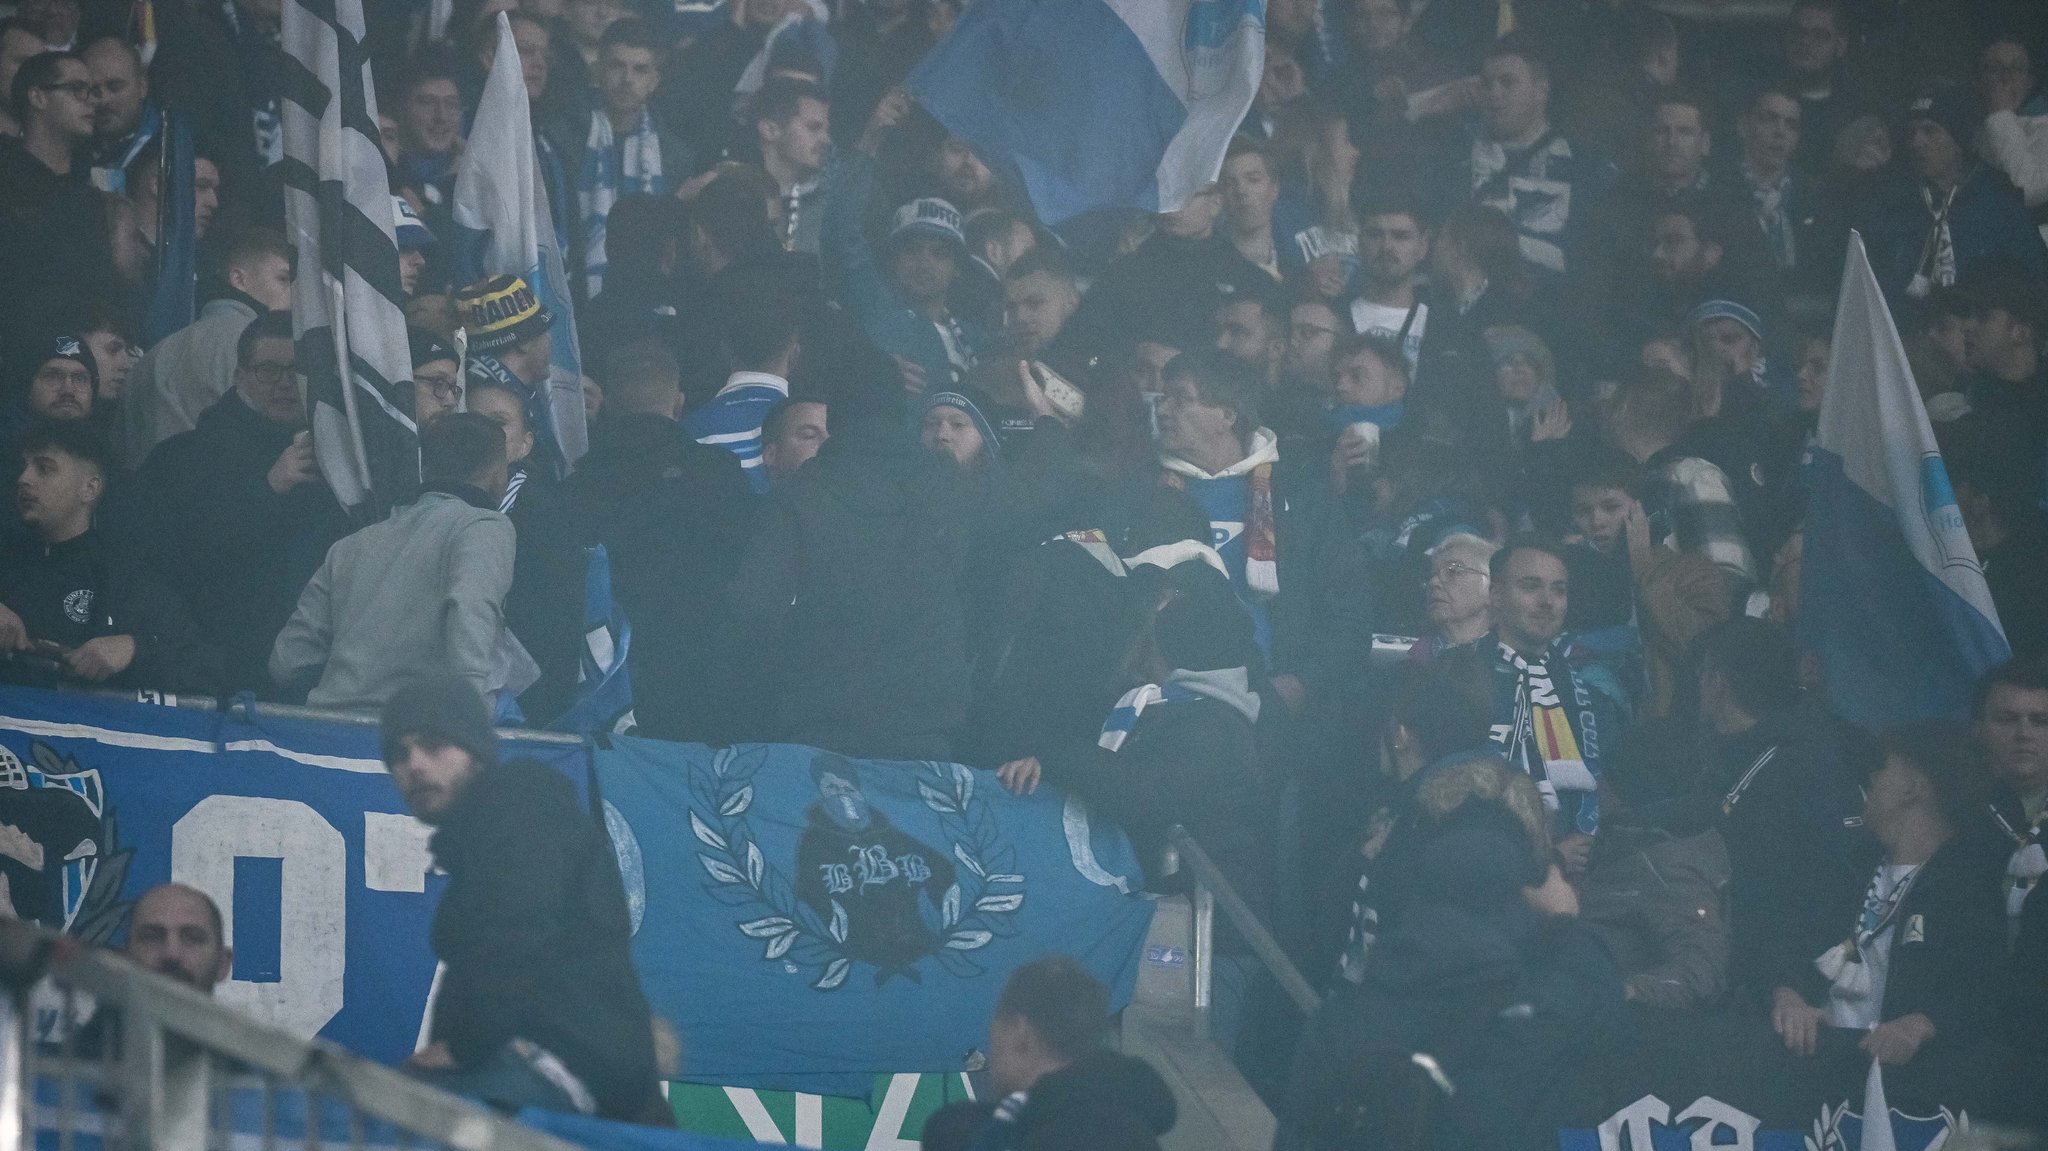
808	921
291	825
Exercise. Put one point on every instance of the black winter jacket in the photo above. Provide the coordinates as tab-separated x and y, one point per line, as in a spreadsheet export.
1792	839
535	933
238	552
674	516
84	589
1193	763
1948	941
855	577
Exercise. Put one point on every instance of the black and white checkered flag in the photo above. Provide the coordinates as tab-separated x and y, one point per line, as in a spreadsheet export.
346	297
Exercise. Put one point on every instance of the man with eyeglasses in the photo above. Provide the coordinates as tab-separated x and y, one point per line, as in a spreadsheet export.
1310	363
55	222
189	370
2015	139
238	518
436	377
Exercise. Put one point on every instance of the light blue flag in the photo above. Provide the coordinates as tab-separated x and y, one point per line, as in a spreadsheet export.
604	682
1892	598
503	224
809	921
1099	103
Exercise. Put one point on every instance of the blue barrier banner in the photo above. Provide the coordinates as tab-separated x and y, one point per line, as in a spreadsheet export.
291	825
809	921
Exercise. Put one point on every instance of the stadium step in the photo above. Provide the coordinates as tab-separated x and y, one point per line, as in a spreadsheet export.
1219	1111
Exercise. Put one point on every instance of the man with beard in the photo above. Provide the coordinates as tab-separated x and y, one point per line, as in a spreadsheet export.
539	1004
855	867
1392	247
176	930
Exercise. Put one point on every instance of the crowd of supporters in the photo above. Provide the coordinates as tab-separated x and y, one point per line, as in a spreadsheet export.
1416	514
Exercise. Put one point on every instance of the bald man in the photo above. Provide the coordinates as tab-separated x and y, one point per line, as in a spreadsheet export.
176	931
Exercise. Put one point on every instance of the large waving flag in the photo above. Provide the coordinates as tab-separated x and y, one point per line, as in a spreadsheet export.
503	225
346	297
1892	598
1099	103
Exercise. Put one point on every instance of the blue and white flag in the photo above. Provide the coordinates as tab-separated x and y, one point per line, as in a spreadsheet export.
503	224
347	304
1892	598
604	682
1099	103
824	919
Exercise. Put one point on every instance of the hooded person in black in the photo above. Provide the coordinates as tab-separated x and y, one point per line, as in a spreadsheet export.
1482	978
72	607
540	1004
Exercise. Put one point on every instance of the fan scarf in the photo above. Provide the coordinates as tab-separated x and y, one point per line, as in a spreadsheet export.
612	167
1554	745
1843	963
1261	537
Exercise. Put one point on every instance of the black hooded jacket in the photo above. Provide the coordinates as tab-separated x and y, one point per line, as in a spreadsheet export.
1100	1100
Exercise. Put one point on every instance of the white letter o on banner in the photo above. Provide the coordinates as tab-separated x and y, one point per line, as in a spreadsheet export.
313	919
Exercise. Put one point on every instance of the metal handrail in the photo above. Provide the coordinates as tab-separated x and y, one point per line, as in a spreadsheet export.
1212	890
155	1008
297	711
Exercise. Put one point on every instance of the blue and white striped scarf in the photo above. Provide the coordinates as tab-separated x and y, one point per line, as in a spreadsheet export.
1124	716
611	168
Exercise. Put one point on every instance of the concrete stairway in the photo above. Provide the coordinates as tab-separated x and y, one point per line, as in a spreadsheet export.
1218	1109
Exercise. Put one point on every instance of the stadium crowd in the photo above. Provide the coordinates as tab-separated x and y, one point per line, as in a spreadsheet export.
1416	515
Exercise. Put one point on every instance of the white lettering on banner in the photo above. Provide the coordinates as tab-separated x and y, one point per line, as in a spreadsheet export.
885	1134
1719	1116
395	855
761	1126
312	918
889	1117
1634	1120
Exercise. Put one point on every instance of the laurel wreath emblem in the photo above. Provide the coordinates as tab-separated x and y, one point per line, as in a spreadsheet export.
975	910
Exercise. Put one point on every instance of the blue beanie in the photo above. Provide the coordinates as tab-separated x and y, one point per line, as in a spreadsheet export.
989	441
1726	310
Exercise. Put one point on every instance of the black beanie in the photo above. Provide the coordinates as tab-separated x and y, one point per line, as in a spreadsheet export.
1204	628
444	709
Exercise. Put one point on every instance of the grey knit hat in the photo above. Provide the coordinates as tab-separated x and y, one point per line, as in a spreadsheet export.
443	708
